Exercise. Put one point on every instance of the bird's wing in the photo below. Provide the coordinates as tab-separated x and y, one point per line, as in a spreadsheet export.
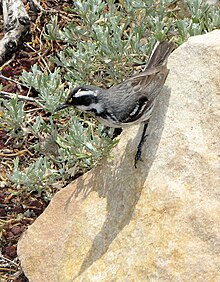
141	90
145	85
150	82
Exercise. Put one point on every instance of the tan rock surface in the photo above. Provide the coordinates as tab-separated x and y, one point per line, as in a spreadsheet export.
160	222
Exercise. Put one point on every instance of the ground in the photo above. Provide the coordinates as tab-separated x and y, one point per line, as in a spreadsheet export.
162	20
18	209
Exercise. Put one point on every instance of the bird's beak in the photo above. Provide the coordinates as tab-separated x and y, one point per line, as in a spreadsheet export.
61	107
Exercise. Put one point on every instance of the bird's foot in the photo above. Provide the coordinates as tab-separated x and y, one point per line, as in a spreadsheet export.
139	151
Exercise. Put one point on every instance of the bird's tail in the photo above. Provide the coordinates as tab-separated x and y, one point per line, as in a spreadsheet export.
160	53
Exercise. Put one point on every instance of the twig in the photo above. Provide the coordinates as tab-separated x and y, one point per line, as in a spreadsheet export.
7	269
13	154
9	166
45	63
33	110
2	221
16	25
12	95
12	80
6	259
8	62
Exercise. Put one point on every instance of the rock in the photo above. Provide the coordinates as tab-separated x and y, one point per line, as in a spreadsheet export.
159	222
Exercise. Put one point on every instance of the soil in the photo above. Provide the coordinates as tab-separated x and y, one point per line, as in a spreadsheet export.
19	208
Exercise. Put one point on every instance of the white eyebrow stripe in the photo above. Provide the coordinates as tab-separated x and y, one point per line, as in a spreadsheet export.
81	93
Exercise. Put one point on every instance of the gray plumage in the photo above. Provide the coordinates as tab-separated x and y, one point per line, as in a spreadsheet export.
140	90
130	102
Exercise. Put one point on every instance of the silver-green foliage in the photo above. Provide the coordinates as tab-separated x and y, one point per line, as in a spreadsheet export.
59	149
36	177
109	39
49	86
102	47
13	118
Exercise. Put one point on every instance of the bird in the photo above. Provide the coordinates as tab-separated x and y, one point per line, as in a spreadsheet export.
130	102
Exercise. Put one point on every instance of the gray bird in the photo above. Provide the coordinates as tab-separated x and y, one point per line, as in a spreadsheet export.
130	102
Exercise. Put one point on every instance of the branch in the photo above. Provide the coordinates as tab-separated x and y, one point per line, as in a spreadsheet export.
20	97
12	80
16	26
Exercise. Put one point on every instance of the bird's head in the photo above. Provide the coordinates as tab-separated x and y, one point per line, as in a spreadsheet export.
84	98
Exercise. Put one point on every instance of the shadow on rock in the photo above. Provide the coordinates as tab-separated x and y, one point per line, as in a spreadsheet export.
121	183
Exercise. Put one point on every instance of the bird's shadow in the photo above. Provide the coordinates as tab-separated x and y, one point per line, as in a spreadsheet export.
121	197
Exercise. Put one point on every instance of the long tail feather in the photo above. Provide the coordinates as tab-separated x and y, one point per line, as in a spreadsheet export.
160	54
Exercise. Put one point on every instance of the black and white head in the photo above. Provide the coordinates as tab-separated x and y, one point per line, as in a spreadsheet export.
84	98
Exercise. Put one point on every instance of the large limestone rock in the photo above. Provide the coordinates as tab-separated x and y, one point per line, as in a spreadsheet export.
160	222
